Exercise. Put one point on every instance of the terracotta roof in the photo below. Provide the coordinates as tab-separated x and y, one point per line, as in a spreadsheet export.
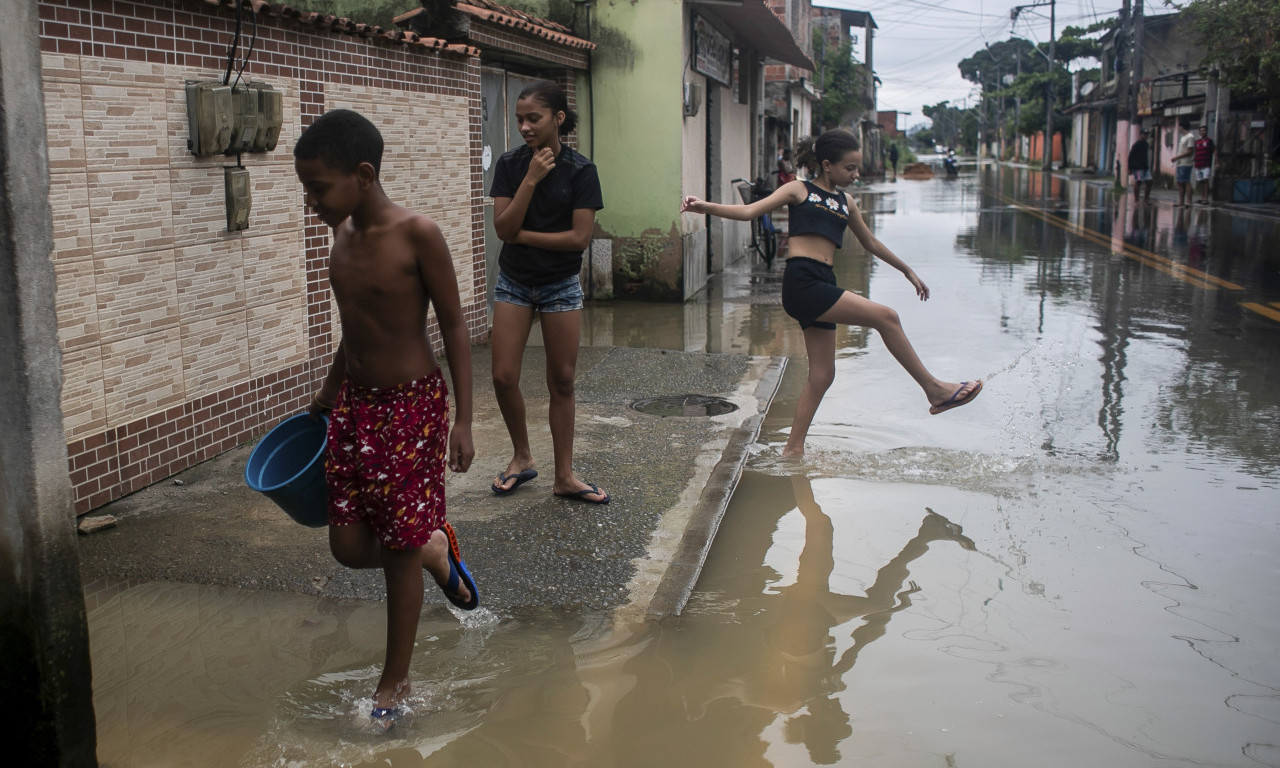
349	26
490	12
517	19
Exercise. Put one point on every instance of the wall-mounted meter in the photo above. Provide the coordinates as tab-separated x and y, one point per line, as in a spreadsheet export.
239	198
209	116
244	119
270	117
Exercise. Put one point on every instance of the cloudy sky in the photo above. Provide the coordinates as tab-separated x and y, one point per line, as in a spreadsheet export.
920	42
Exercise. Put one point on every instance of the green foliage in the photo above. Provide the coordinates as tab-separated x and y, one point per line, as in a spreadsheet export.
988	67
379	12
953	126
1240	40
841	79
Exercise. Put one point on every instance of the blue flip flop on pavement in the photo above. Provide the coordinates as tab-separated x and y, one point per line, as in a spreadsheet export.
582	495
521	477
458	574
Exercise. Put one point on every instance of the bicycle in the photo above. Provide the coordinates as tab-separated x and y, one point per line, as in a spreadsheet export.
764	237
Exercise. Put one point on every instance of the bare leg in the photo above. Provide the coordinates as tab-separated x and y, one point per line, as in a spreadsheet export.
853	309
403	571
561	332
356	546
820	347
511	326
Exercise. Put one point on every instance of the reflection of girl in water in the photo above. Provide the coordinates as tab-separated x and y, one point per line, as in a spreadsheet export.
789	665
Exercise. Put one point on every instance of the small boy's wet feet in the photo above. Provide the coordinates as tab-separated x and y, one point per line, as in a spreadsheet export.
384	719
442	558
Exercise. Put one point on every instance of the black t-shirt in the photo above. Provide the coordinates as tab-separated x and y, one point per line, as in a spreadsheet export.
1138	154
571	185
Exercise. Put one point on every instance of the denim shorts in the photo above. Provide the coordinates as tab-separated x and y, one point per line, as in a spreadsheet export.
562	296
1182	174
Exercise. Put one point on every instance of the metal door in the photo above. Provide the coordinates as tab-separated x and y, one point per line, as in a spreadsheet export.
499	131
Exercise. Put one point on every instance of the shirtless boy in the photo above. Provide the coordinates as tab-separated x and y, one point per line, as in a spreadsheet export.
388	402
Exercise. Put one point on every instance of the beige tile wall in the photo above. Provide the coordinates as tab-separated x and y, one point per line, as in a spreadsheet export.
157	303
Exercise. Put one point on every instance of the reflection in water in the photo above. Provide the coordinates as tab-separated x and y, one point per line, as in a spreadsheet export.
1222	347
1122	612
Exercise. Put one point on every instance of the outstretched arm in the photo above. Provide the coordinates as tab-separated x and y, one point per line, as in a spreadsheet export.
441	285
881	251
788	194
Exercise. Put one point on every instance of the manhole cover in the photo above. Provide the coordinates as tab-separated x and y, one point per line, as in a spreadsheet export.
684	405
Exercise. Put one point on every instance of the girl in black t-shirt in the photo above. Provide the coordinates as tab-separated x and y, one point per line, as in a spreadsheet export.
545	198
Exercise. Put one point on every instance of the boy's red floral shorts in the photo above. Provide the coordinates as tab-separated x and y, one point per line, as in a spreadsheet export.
386	456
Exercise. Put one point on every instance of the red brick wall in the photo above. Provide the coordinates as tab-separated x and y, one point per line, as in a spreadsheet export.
194	35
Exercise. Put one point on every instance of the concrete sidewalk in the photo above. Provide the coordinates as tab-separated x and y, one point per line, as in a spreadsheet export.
670	478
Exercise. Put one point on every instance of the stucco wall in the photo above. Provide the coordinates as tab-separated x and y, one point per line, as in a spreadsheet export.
181	339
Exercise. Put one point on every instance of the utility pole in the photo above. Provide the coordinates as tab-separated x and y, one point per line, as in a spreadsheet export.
1136	77
1048	90
1048	93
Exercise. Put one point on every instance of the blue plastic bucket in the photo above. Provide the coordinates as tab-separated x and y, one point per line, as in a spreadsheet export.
288	467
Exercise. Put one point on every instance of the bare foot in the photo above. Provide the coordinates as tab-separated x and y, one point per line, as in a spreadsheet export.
518	473
953	395
793	452
435	561
389	696
574	488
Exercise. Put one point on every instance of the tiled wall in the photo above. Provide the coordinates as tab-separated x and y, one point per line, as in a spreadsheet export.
181	340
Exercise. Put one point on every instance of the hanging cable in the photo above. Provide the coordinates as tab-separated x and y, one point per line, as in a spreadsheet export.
235	43
248	54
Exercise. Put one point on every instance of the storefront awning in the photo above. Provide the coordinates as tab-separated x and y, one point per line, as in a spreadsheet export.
755	26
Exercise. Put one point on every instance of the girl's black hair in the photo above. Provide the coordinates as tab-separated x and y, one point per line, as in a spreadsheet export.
831	146
343	139
553	97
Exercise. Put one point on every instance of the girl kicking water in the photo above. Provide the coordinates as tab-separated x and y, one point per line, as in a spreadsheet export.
819	212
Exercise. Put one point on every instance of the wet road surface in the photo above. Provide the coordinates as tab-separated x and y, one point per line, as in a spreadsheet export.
1078	568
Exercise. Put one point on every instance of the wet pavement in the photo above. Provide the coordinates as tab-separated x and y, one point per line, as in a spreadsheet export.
670	477
1076	569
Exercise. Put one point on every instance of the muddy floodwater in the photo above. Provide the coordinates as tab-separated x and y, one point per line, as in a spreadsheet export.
1080	568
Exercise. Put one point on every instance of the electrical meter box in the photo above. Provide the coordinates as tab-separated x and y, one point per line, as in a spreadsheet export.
270	117
239	198
209	117
244	119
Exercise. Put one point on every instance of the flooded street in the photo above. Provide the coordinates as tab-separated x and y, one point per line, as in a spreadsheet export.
1078	568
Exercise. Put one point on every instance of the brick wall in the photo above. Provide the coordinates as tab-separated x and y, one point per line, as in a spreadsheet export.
181	340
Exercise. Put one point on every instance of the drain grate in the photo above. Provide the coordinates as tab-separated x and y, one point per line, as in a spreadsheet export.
684	405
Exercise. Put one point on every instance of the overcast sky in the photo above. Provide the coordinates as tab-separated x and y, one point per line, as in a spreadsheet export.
920	42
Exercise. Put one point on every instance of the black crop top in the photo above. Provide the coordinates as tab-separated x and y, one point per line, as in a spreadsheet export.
821	213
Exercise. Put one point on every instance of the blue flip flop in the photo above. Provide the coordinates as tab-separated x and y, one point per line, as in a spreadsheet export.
384	718
458	573
521	477
956	400
582	495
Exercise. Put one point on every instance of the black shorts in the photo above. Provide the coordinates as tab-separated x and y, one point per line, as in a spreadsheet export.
808	290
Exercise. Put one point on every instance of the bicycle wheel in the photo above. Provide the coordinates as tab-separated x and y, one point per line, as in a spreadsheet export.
768	240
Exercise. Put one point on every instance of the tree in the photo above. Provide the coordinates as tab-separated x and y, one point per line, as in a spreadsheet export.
1240	40
953	126
1030	65
841	79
